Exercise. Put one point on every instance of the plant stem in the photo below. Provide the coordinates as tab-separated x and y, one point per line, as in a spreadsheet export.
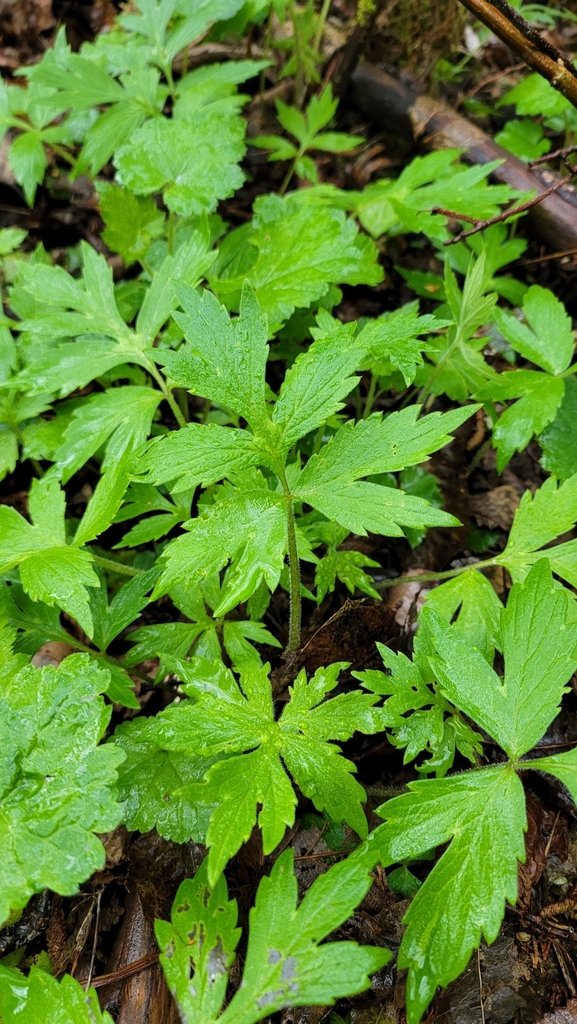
299	77
170	237
109	563
425	577
288	176
168	395
323	15
370	396
61	152
170	80
294	641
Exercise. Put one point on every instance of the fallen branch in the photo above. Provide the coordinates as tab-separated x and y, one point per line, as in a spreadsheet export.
524	40
396	109
480	225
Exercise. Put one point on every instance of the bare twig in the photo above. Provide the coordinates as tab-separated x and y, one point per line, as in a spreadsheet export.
560	154
533	36
480	225
126	972
525	41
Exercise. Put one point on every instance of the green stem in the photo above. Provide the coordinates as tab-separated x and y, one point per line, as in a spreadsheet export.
170	232
109	563
425	577
294	641
182	399
175	408
170	80
299	77
168	395
266	48
437	369
61	152
289	173
323	15
370	396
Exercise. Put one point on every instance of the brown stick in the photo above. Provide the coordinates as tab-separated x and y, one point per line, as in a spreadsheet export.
557	70
398	110
531	33
514	211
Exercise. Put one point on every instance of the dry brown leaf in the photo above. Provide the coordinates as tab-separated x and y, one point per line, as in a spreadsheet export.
495	508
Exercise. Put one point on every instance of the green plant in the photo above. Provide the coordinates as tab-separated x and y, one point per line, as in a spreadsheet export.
306	129
245	753
58	785
482	812
213	401
255	527
285	965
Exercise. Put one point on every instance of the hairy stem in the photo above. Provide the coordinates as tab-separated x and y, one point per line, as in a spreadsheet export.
425	577
110	563
294	640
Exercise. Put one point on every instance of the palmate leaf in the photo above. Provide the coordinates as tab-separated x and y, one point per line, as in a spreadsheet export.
464	896
171	642
394	339
558	440
459	368
540	519
50	569
285	964
539	399
547	340
73	82
56	783
434	726
225	361
432	180
214	87
237	722
348	567
87	311
540	653
470	600
168	30
291	252
194	163
482	811
252	523
41	999
376	445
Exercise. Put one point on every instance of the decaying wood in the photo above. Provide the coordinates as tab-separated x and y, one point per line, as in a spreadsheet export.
395	108
143	997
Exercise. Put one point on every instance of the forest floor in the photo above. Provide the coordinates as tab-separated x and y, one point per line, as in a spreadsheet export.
532	967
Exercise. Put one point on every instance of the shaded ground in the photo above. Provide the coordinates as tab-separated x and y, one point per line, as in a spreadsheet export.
531	969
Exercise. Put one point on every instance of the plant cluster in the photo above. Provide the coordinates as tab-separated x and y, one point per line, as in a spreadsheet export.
220	483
